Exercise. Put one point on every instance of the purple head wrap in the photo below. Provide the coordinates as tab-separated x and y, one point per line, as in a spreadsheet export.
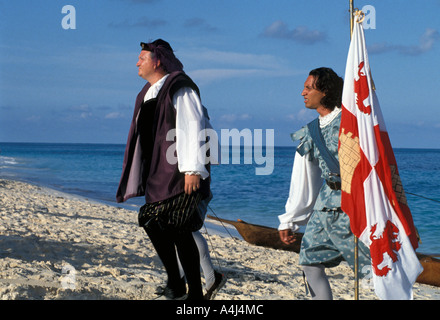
163	52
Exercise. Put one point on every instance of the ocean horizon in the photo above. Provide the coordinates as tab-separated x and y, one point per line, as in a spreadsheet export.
92	170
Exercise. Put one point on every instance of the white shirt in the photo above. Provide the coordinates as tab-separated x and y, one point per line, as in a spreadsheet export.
191	121
305	185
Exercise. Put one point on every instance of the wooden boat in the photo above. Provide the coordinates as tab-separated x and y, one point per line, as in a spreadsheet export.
261	235
431	270
268	237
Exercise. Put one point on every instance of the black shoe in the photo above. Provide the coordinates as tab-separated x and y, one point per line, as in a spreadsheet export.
220	281
172	294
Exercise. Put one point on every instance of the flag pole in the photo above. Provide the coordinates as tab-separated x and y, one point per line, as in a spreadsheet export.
351	17
356	242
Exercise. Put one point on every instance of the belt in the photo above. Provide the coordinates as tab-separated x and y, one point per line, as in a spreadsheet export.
332	209
334	185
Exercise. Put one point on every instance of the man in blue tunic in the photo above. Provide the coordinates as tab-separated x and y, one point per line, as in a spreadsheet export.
315	189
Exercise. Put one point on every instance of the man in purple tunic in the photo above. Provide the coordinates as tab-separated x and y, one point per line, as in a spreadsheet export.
172	173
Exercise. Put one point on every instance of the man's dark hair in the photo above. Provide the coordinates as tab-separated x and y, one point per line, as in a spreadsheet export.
328	82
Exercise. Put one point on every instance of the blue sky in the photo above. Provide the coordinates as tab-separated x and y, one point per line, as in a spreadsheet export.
250	59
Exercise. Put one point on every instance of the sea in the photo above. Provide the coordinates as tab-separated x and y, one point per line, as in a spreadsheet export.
239	189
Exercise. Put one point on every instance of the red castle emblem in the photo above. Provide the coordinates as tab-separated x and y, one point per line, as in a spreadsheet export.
386	243
362	91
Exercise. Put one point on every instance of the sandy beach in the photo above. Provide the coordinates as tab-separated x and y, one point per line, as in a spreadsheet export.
55	246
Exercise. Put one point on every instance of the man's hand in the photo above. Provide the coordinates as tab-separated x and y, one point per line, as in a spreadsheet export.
192	183
287	236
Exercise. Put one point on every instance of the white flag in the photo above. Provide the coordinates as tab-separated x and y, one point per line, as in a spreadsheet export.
372	193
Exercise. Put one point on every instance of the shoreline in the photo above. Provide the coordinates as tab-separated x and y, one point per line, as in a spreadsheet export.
58	246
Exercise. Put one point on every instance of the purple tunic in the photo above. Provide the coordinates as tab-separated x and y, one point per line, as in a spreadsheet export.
145	169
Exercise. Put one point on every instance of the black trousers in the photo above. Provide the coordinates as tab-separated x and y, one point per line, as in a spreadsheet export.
165	243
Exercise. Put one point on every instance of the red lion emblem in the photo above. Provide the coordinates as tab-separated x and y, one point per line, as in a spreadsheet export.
362	91
386	243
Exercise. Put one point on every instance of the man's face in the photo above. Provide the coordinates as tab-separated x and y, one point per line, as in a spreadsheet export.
146	65
312	96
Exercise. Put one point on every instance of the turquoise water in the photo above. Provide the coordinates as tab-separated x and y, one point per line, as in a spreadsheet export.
93	171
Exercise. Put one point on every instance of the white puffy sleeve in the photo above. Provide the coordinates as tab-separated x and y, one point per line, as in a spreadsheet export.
190	133
305	184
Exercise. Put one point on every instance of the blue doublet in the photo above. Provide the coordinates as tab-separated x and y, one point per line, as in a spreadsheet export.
328	239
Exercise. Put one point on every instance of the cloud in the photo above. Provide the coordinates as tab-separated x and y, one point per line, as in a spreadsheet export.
199	23
301	34
114	115
302	115
426	43
237	58
33	118
210	75
140	22
234	117
81	107
140	1
221	65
